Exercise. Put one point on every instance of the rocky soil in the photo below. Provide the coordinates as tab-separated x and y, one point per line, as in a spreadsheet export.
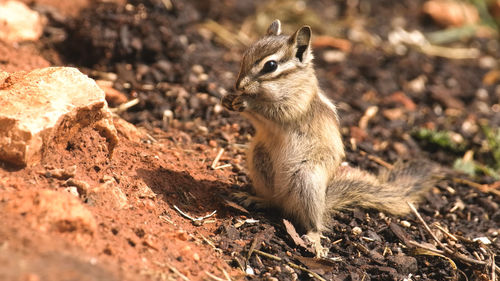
156	204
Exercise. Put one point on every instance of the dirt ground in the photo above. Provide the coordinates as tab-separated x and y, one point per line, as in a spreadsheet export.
178	58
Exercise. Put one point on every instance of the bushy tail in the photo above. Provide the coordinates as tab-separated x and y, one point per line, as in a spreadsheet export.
388	192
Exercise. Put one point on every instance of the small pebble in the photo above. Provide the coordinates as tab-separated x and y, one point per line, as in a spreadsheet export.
288	268
72	190
182	235
203	77
487	62
333	56
357	230
406	224
417	85
212	143
482	94
198	69
202	130
218	108
249	270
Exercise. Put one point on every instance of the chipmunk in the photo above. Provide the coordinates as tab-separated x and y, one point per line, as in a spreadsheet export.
294	159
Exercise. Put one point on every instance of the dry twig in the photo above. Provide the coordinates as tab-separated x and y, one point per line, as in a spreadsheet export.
226	274
481	187
493	265
377	160
419	217
215	163
178	273
191	218
451	236
291	264
214	277
218	250
447	251
124	106
418	245
369	114
222	166
314	274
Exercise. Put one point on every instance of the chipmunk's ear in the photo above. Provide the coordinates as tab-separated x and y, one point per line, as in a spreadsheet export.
301	40
274	28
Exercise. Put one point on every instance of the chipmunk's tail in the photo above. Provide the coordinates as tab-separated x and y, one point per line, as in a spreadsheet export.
388	192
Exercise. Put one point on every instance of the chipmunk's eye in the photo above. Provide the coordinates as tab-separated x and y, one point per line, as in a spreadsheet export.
270	66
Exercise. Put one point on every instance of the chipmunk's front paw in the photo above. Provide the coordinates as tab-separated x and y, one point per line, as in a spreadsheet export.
246	200
234	102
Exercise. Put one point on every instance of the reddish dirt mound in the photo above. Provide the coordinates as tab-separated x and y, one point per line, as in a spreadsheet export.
124	239
23	57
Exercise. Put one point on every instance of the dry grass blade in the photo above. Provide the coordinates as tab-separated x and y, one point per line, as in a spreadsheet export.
419	217
214	277
273	257
426	252
225	36
314	274
252	248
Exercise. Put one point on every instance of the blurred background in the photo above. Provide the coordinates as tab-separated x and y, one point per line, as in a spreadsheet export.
411	78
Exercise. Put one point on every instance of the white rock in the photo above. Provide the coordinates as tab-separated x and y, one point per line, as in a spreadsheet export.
405	224
18	22
483	240
47	105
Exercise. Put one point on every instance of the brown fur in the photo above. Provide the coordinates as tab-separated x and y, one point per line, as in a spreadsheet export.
294	158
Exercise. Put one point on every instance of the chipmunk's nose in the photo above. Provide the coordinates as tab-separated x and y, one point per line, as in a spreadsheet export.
241	83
